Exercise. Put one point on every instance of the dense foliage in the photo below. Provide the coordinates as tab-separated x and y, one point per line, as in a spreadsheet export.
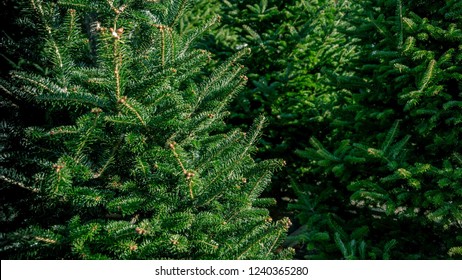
128	155
390	168
114	143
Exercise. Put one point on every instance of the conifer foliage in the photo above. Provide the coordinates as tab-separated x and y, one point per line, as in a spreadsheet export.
390	169
131	159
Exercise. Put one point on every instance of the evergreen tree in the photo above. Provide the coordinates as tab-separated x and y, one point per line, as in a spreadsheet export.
390	169
130	158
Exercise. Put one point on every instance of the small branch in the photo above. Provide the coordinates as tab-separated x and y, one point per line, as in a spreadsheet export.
188	174
117	54
270	250
249	247
172	147
172	41
46	240
214	246
180	9
38	7
117	64
87	136
41	85
123	101
191	194
111	158
162	42
18	184
163	46
71	27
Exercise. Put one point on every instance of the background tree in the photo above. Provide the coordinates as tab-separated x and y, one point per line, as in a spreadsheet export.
390	168
132	158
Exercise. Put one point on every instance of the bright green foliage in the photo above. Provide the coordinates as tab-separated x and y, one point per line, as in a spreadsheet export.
197	12
291	41
131	160
391	166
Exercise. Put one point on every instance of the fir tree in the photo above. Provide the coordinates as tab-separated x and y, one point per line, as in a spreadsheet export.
131	159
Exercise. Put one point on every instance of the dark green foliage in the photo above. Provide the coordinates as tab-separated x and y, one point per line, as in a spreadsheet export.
291	42
131	159
390	166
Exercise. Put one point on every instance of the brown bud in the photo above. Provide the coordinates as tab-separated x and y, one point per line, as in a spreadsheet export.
189	175
57	167
286	222
140	231
96	110
115	33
